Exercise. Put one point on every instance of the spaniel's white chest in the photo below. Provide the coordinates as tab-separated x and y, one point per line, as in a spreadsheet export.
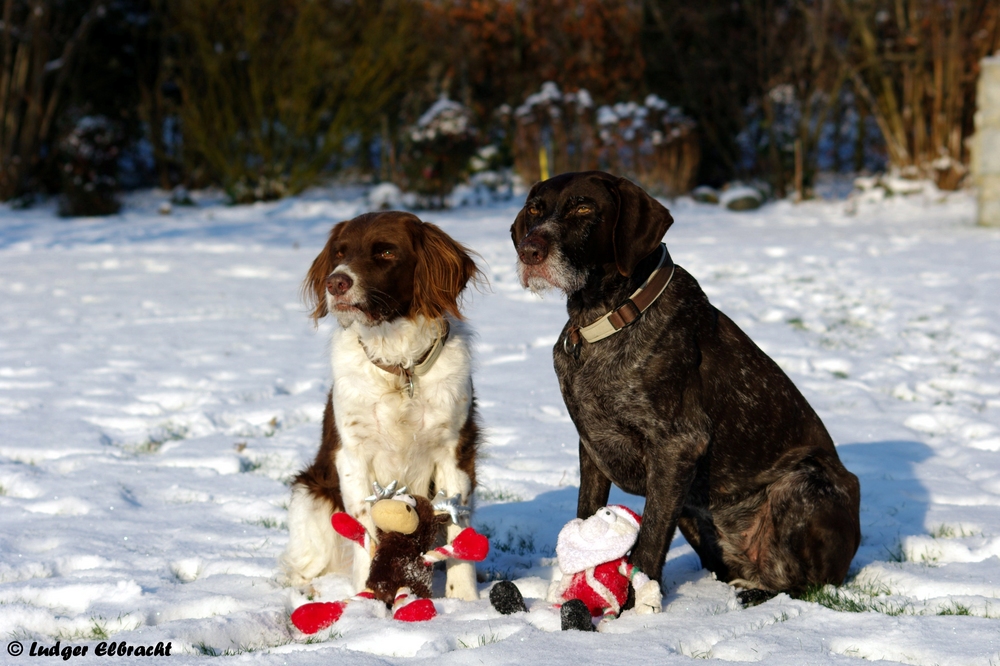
393	435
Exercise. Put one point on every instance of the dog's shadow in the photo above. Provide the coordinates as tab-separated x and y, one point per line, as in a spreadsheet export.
894	504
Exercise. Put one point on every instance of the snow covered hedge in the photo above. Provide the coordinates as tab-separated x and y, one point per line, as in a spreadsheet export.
652	142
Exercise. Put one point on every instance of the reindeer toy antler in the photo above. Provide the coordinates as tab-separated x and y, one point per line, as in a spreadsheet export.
402	554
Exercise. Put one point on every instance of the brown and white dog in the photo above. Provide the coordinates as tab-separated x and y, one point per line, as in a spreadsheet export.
401	407
674	402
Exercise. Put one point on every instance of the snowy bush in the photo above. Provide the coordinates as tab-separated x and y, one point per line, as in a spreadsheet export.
180	196
438	151
490	180
259	187
652	142
869	189
560	127
705	194
89	163
483	188
770	134
741	197
385	196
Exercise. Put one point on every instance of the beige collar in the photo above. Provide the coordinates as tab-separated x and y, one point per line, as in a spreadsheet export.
631	309
422	366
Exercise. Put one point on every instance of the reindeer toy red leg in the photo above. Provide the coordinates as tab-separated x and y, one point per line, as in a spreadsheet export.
402	555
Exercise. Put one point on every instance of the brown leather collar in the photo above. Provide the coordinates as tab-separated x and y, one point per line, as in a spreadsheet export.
626	313
421	367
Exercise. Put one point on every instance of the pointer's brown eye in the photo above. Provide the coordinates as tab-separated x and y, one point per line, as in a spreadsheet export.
532	210
583	210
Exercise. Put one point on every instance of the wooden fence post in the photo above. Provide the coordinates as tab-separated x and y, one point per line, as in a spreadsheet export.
985	143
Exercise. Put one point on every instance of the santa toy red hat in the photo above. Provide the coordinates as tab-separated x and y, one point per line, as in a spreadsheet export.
626	513
606	536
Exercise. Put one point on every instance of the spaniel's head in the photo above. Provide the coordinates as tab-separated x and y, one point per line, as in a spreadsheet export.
382	266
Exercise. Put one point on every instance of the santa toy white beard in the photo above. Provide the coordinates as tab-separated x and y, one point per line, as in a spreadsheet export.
583	544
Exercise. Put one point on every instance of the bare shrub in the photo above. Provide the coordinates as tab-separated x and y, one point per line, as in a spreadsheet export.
273	90
40	41
915	64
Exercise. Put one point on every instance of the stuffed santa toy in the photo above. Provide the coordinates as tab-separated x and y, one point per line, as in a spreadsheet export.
596	572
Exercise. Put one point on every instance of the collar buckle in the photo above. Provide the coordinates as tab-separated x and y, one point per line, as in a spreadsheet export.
423	365
640	301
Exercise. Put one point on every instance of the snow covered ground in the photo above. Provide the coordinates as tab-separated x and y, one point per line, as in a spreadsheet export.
160	382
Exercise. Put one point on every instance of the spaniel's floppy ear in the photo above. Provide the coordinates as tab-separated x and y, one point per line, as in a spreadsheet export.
519	229
443	269
314	286
642	221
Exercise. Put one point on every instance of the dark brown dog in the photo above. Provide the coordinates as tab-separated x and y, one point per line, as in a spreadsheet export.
681	406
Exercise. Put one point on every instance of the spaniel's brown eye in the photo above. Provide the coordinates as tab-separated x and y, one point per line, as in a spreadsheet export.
387	254
583	210
533	210
338	254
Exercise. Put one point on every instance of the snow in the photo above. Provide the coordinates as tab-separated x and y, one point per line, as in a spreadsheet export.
160	382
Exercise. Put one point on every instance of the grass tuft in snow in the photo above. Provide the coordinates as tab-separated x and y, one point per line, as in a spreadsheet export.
694	654
101	628
945	531
248	466
482	641
243	648
858	597
269	523
896	554
514	542
955	609
497	495
496	573
148	447
273	466
166	432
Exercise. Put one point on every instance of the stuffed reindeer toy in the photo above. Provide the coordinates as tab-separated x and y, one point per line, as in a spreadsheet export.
402	552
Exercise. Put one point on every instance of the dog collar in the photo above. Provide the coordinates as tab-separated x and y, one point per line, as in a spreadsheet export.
420	368
631	309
